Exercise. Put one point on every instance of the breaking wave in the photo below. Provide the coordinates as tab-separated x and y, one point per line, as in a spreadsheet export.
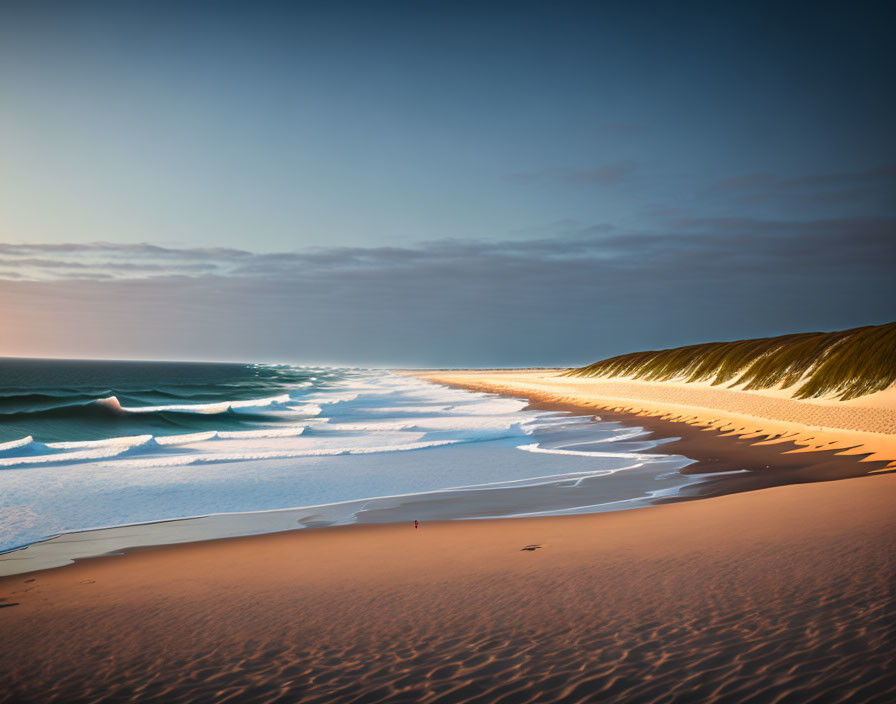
137	442
27	451
111	405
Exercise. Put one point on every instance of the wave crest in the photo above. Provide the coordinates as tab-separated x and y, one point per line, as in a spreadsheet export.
113	404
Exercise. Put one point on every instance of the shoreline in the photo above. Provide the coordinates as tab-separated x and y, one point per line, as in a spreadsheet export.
726	463
774	453
760	418
738	464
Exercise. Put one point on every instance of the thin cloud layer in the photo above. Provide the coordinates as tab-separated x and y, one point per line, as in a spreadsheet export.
586	294
822	188
853	244
604	175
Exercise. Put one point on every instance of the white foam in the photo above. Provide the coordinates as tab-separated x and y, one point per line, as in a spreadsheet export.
575	477
535	447
289	432
113	404
308	409
92	451
618	437
491	407
186	439
403	410
129	440
249	455
331	398
440	423
16	444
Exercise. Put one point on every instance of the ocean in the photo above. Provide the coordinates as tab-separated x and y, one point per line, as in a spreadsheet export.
93	444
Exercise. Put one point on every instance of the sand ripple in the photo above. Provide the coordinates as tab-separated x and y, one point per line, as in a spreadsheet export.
759	597
824	655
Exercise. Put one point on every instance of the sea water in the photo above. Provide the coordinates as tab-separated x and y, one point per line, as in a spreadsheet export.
86	445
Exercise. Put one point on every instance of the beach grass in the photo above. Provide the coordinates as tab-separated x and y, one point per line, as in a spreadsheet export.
844	364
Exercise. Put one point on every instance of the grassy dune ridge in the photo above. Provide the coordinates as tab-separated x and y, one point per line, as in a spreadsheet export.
845	364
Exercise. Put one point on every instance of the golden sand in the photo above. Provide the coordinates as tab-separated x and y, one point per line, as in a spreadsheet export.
783	593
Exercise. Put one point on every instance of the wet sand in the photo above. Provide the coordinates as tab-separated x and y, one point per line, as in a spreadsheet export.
783	594
770	442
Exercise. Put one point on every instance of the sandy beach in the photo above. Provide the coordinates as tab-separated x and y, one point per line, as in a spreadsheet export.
783	594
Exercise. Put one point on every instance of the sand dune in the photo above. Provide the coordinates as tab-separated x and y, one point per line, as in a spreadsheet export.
777	595
865	425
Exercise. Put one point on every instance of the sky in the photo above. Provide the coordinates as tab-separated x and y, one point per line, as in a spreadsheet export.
440	183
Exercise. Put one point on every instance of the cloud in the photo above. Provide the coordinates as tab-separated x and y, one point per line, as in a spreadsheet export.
835	243
140	249
604	175
623	128
564	299
665	212
822	188
111	260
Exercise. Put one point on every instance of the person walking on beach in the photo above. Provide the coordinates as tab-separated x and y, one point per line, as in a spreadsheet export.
415	524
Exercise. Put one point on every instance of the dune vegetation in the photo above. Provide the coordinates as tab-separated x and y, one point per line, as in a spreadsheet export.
845	364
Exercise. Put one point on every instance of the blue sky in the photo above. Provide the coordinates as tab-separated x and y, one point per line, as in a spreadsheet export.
438	182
